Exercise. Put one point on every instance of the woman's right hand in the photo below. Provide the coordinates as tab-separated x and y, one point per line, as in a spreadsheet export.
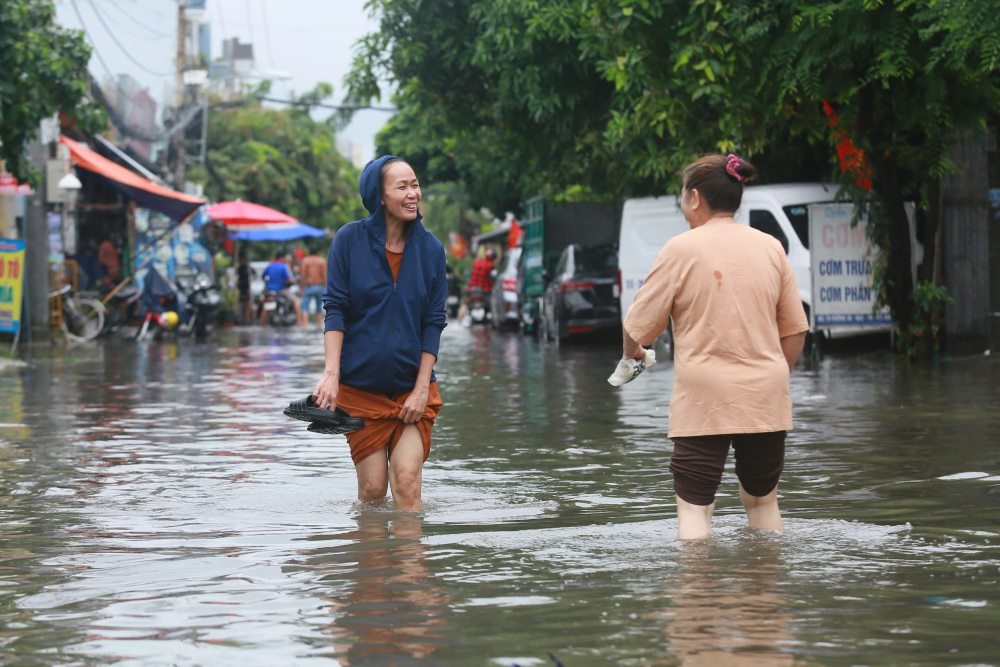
325	393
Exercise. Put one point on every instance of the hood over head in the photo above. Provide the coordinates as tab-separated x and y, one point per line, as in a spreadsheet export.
371	183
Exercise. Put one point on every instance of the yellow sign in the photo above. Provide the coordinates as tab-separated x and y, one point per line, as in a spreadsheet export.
11	284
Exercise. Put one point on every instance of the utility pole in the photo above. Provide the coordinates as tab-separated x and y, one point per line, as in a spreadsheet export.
180	97
36	235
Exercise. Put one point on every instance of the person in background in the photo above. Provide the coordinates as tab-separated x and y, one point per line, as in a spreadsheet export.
278	278
480	277
313	279
295	261
244	275
111	266
385	310
739	327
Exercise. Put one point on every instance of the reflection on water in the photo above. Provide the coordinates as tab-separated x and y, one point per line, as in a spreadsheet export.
156	508
739	618
385	605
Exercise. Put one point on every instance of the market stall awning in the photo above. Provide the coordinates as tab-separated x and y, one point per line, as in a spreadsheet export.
143	191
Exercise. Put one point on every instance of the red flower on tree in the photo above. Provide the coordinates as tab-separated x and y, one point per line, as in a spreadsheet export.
852	158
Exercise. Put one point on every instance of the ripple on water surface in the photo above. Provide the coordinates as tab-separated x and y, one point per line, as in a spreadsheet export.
177	517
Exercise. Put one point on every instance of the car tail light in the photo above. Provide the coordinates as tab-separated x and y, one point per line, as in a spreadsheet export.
575	286
509	284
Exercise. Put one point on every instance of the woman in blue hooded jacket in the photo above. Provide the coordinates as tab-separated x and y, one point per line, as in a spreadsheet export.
385	310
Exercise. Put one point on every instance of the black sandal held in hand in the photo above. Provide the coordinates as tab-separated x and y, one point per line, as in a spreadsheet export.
330	422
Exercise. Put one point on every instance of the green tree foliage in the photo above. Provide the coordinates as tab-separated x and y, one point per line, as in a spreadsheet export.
613	97
475	92
903	76
43	69
283	159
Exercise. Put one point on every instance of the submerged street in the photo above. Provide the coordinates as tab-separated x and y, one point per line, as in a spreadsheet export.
159	509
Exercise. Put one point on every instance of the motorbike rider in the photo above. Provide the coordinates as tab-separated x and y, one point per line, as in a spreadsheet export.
480	278
482	272
278	279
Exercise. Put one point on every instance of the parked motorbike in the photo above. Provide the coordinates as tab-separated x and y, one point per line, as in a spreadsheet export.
479	305
279	308
188	306
454	295
202	300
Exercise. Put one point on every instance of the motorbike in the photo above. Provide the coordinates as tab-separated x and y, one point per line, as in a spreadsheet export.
188	306
479	305
202	300
454	295
279	308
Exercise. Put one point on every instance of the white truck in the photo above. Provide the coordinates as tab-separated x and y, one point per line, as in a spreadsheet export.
779	210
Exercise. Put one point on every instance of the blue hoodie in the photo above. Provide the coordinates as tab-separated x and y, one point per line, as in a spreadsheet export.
387	325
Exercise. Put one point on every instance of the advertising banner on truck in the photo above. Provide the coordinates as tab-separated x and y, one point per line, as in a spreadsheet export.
11	284
842	293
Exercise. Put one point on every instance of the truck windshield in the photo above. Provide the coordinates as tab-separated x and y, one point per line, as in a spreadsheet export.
798	215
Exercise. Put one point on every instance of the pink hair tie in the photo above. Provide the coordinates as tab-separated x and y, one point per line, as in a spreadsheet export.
732	165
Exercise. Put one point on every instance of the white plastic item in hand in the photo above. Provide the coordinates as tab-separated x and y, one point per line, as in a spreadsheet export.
629	369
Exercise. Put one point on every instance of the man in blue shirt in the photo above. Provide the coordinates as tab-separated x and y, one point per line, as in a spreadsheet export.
278	279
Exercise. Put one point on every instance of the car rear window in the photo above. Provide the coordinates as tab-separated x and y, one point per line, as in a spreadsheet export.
595	259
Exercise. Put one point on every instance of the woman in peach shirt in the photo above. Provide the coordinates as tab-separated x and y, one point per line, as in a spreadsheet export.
739	328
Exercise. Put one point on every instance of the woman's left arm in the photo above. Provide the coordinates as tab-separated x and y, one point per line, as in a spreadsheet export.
415	404
433	321
434	318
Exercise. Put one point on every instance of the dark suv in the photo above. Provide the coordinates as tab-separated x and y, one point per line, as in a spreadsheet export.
583	295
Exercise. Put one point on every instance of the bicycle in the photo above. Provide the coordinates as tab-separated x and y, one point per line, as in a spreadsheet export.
81	319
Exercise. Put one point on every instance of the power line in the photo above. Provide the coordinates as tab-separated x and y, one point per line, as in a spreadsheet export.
222	19
249	20
153	31
267	33
335	107
97	53
120	46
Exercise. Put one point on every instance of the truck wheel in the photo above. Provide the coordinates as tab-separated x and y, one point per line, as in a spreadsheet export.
528	326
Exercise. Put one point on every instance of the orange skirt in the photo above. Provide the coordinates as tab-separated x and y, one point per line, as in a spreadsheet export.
383	427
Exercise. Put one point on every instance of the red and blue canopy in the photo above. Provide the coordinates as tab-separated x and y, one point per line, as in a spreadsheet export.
253	222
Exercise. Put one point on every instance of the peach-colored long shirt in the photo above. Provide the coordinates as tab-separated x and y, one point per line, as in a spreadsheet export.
731	294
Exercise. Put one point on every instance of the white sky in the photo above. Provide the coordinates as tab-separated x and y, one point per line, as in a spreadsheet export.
311	40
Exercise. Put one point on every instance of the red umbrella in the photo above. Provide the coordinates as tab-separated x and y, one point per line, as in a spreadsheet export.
242	216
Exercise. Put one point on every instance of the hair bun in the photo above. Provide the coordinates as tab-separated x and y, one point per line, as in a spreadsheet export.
740	170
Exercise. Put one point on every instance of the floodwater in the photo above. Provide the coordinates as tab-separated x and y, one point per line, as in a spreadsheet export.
157	509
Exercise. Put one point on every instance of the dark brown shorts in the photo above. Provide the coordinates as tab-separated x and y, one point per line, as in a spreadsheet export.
697	464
